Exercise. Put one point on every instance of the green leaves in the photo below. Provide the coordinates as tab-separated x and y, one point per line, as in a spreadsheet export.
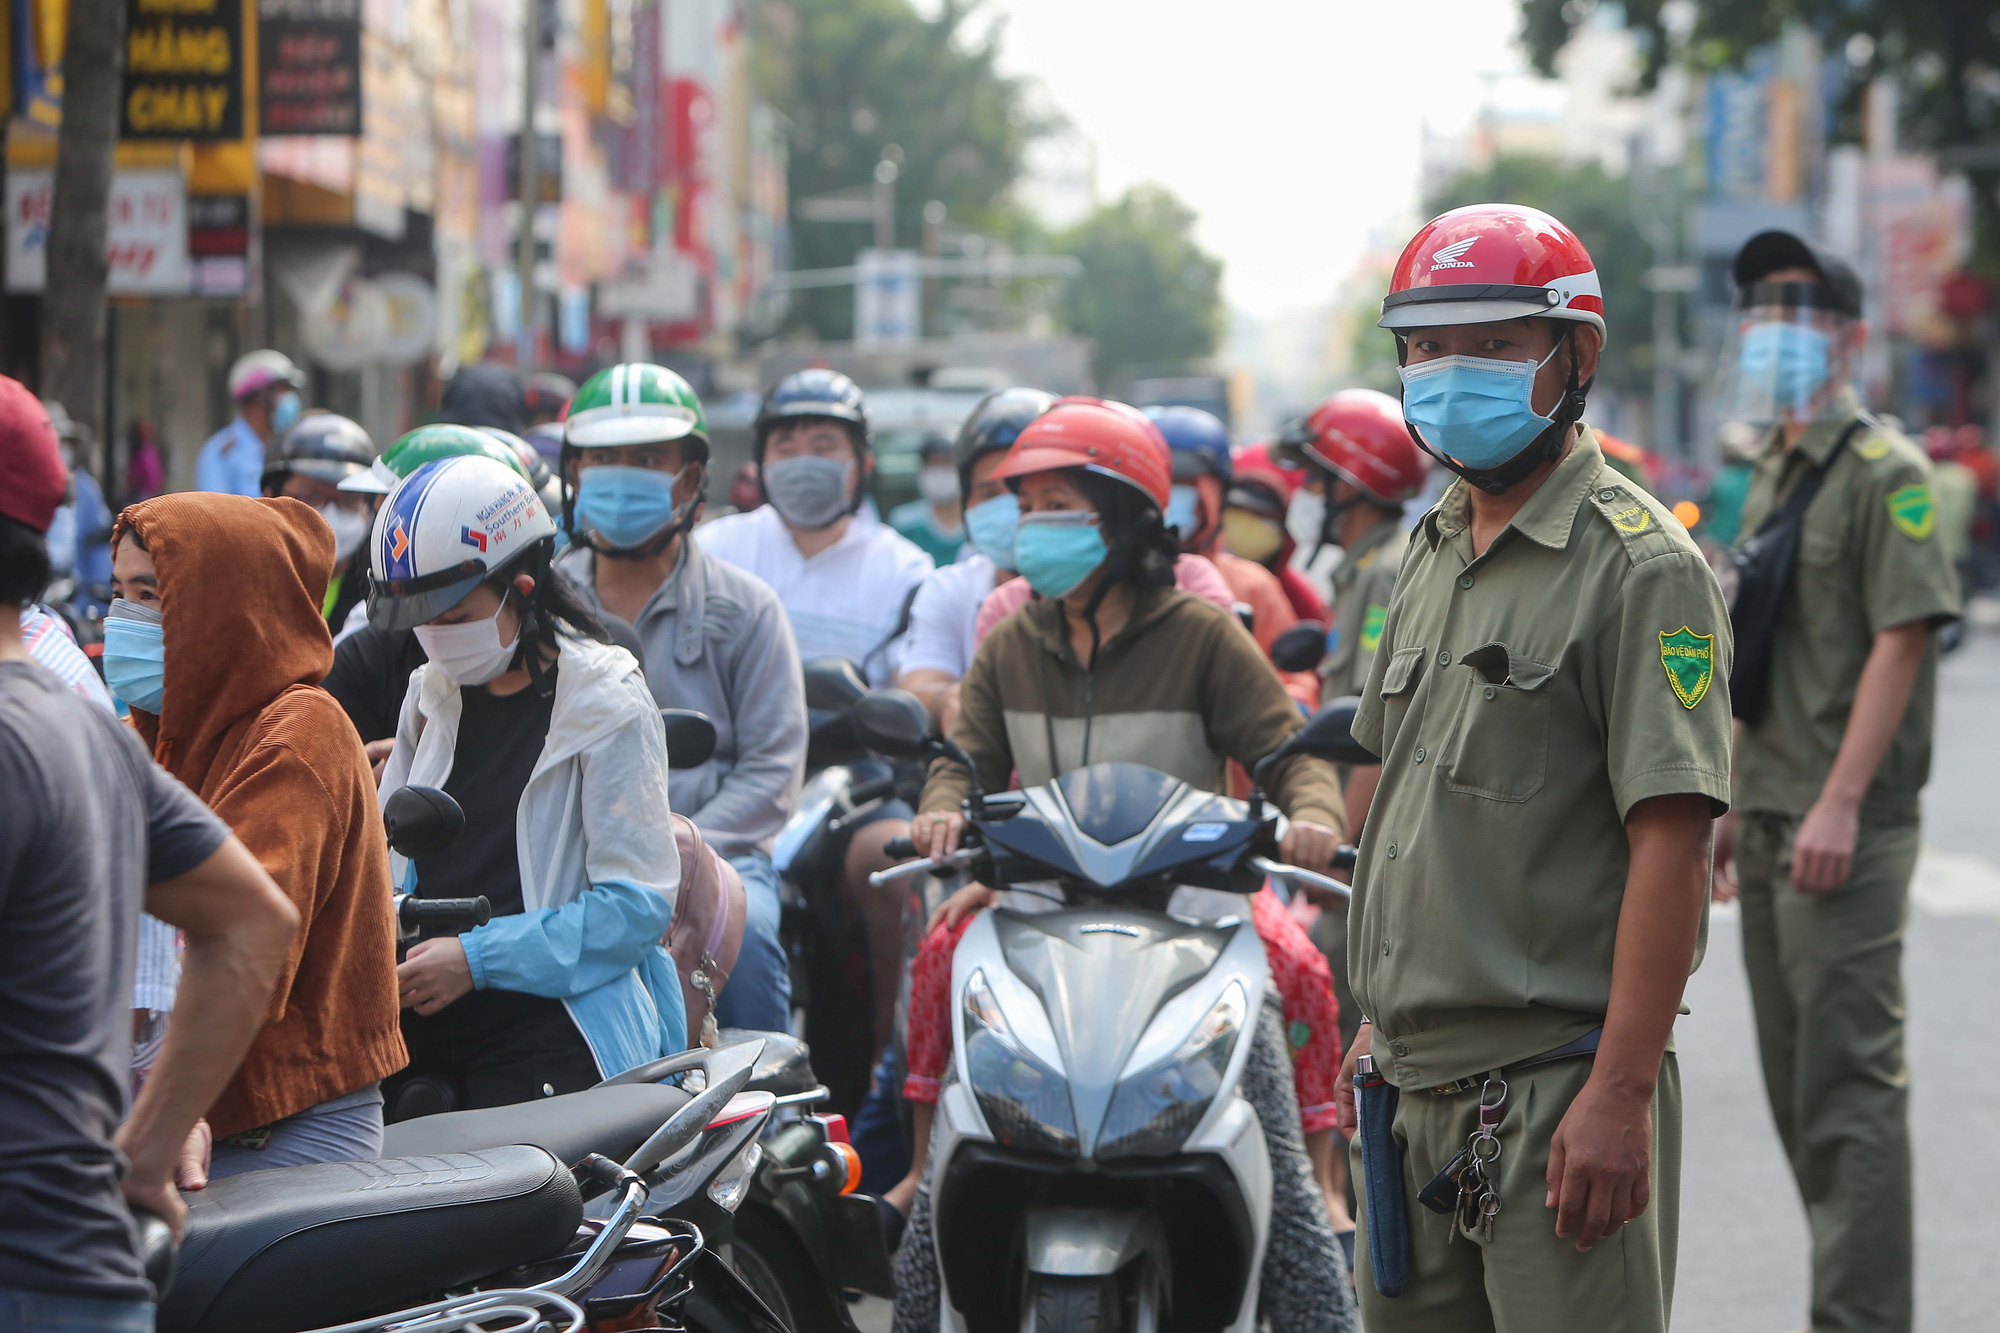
1150	296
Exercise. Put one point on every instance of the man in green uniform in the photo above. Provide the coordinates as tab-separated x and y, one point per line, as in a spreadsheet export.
1828	772
1550	705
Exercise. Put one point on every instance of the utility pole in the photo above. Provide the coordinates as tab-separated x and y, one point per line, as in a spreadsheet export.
886	172
73	311
530	173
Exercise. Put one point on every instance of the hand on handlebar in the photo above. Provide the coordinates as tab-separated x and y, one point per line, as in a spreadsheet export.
434	974
1311	846
937	834
967	901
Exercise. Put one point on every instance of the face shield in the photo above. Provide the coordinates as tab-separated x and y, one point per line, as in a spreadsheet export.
1791	352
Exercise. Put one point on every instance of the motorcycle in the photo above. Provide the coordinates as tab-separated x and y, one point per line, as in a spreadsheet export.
1096	1165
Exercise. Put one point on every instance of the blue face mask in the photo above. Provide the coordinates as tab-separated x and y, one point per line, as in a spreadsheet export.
135	655
1183	510
990	525
285	413
1791	362
1056	552
625	505
1473	409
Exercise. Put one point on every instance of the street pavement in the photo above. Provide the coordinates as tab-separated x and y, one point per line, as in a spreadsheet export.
1743	1259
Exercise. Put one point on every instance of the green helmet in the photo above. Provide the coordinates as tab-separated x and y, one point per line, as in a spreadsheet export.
427	444
636	403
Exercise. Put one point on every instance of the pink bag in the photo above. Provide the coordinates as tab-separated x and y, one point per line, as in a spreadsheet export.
707	929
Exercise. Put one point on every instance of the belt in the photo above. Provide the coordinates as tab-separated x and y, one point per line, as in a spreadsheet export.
1584	1045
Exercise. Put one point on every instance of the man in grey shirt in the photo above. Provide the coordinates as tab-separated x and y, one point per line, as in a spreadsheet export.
716	640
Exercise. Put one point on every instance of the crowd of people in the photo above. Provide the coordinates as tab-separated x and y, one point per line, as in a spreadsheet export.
1583	736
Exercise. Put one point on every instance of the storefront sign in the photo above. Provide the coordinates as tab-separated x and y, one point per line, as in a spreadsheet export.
183	70
148	232
309	66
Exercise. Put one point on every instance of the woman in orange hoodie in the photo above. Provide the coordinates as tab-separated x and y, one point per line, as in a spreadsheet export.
217	644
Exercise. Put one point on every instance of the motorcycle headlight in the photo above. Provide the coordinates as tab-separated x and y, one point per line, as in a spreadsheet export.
1026	1104
1154	1111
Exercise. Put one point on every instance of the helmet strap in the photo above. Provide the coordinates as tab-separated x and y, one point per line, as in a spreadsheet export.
1544	448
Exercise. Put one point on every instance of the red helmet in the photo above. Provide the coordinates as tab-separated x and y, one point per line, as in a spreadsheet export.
1107	438
1257	465
1488	262
1359	436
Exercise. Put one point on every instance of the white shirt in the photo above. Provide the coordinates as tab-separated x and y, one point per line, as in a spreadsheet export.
945	617
844	602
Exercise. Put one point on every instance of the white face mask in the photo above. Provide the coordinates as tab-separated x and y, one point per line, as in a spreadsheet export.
938	485
471	653
1304	517
350	528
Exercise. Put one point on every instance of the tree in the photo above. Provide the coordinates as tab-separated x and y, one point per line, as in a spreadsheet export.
1150	296
1598	208
73	320
861	78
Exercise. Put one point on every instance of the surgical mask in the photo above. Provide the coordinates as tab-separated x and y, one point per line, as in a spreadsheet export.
990	524
1056	552
1474	409
1305	519
471	653
938	485
1183	510
1791	362
808	492
135	655
625	505
286	410
1253	536
350	528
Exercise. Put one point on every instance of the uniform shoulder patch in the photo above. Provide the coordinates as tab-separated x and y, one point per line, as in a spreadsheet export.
1911	510
1642	525
1690	662
1873	446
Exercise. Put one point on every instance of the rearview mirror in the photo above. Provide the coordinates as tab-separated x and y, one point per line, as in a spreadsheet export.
422	821
690	737
833	683
1330	735
893	723
1299	648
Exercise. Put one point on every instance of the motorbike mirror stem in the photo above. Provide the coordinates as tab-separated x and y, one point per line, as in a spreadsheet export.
952	750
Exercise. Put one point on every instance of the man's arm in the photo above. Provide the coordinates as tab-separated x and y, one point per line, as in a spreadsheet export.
930	685
1601	1154
1823	851
767	706
239	927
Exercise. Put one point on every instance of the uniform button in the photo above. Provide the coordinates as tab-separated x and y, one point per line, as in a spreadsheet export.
1385	948
1607	495
1420	754
1399	1048
1465	580
1444	658
1491	692
548	1089
1392	851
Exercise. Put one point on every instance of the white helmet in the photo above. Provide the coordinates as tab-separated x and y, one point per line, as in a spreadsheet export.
260	370
447	527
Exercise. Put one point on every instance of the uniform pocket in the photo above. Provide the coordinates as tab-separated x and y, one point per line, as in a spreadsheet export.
1400	677
1499	743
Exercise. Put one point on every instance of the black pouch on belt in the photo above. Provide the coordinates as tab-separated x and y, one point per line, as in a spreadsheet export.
1382	1179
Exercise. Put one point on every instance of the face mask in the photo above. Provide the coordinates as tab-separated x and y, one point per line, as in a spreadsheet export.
1305	518
1056	552
808	492
135	655
1474	409
350	528
938	485
1790	361
470	654
625	505
1253	536
990	524
285	412
1183	510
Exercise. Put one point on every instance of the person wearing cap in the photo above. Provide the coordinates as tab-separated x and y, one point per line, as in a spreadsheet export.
935	520
311	460
634	475
1549	699
265	386
1831	758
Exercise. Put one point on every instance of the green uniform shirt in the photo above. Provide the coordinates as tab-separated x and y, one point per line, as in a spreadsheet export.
1523	702
1869	560
1362	583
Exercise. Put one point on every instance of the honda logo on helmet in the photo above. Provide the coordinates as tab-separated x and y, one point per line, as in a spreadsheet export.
1452	256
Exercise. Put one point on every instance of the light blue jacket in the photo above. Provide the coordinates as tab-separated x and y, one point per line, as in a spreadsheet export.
599	868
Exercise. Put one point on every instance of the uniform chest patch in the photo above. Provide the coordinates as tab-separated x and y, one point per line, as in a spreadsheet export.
1690	662
1371	627
1911	511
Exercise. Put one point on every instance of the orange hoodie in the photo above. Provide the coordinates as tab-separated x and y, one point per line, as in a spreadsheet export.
245	725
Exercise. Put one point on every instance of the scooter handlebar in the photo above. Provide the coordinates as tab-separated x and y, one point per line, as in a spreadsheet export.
447	913
900	848
1342	860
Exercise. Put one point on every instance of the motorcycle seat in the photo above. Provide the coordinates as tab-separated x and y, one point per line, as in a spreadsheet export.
783	1068
308	1246
612	1121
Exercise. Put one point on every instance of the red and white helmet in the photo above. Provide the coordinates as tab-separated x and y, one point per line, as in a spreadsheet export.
260	370
1489	262
1100	436
1359	436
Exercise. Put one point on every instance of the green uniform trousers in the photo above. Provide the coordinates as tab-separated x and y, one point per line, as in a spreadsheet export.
1826	976
1528	1279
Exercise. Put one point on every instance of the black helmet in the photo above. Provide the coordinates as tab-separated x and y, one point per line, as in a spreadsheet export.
485	394
996	420
813	393
322	445
548	393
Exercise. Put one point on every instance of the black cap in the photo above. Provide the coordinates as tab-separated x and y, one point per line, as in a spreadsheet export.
1770	251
